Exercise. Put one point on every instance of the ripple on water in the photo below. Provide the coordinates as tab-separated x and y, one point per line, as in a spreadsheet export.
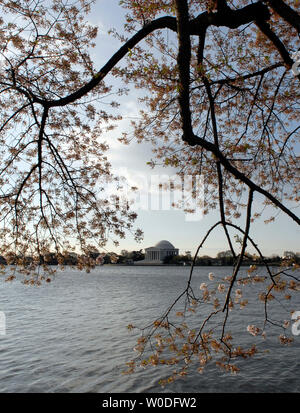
71	336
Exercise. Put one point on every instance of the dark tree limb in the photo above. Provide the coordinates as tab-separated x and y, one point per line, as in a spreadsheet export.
267	31
197	26
286	12
219	169
244	245
196	140
183	62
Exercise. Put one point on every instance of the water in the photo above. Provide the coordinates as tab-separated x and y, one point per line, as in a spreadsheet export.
70	335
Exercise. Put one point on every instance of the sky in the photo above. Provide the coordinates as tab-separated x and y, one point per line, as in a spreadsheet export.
131	161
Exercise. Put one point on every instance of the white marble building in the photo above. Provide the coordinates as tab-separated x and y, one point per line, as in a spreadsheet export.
161	250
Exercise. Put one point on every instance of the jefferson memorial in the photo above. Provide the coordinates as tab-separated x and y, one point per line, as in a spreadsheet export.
161	250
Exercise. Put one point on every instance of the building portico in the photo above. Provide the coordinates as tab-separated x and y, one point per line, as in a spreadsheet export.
161	250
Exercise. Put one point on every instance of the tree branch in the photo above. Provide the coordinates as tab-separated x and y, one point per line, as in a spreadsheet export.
230	19
286	12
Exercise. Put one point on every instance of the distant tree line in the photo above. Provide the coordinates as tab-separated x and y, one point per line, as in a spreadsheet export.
71	258
223	258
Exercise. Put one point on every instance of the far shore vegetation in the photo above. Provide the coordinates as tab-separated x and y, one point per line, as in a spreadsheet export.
223	258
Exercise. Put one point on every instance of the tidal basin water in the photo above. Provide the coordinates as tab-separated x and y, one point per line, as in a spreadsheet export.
71	336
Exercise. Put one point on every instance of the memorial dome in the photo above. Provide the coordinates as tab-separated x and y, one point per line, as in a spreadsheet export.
164	245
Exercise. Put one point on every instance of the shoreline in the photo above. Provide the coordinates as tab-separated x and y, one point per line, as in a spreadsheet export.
188	265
